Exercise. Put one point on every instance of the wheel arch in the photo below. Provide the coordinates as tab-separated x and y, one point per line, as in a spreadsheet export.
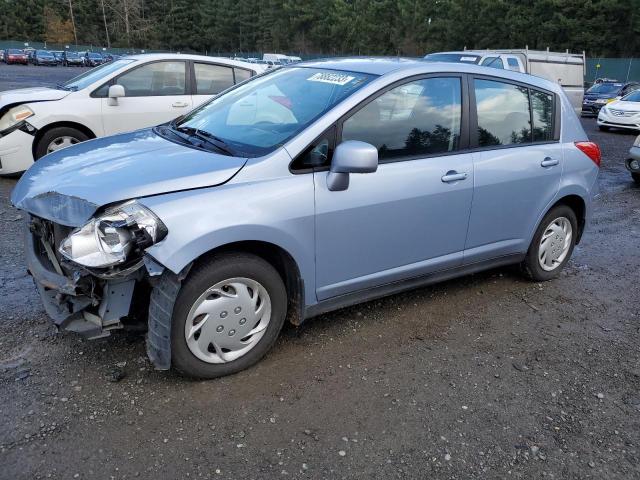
64	123
578	205
281	260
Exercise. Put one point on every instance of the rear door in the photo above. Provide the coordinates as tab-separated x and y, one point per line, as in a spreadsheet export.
155	93
517	164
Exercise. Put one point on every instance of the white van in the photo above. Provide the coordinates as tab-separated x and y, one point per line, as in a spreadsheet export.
567	69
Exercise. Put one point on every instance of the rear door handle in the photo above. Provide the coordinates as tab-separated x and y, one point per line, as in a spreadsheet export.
180	104
549	162
453	176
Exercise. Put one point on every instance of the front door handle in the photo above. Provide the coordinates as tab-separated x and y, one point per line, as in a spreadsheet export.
453	176
180	104
549	162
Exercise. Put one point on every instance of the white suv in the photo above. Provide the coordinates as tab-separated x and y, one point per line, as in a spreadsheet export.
127	94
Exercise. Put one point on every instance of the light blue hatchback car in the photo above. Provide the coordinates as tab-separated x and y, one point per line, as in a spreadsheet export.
304	190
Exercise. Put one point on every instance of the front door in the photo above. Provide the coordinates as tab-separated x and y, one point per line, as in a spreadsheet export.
410	217
155	93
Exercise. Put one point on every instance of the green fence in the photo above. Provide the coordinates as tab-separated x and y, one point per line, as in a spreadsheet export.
623	69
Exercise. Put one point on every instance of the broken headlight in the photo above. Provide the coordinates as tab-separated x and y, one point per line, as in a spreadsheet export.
119	234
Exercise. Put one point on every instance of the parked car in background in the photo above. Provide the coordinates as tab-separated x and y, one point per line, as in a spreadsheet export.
603	93
123	95
44	57
110	57
567	69
279	58
72	59
14	55
1	55
58	55
623	113
315	187
633	162
93	59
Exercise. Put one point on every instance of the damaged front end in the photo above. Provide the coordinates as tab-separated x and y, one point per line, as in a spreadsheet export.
90	301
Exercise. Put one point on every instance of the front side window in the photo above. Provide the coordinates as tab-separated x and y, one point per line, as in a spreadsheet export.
95	74
155	79
256	118
417	118
632	97
503	113
212	79
493	62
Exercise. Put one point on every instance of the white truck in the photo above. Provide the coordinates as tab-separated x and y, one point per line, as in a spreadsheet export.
568	69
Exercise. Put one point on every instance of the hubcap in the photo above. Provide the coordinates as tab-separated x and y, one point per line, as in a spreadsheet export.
555	244
61	142
228	320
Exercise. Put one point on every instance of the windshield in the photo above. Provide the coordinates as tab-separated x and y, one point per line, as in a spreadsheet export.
93	75
259	116
44	54
632	97
95	55
13	51
452	57
605	88
71	54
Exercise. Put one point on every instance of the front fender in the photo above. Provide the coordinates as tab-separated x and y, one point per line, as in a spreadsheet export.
277	211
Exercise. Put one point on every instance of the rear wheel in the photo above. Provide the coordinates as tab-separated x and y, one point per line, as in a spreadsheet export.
227	315
58	138
552	244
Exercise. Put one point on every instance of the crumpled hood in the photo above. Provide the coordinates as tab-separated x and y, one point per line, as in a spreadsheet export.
69	185
26	95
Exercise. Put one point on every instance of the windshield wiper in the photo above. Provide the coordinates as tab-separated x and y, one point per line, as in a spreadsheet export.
206	137
60	86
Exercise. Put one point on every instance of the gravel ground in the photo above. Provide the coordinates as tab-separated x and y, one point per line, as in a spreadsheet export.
487	376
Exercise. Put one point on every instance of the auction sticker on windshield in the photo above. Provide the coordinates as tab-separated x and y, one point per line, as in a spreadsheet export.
333	78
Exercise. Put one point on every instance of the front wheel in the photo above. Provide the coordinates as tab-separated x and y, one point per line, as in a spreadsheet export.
58	138
552	244
227	315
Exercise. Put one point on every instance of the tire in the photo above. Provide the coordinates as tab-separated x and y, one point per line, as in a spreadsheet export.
216	271
604	128
49	136
636	178
531	265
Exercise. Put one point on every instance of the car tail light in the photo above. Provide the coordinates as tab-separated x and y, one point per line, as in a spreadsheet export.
591	150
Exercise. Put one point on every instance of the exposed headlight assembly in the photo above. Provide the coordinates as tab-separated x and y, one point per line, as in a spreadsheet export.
636	142
115	237
14	117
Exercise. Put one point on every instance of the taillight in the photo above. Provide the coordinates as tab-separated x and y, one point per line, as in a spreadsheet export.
591	150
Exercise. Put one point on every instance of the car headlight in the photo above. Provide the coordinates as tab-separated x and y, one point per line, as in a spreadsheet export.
14	116
636	143
602	100
118	235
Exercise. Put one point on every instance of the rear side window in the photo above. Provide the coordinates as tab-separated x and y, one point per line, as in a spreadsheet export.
542	109
513	63
212	79
417	118
503	113
241	74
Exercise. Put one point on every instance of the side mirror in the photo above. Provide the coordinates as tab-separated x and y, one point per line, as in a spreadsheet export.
351	156
115	92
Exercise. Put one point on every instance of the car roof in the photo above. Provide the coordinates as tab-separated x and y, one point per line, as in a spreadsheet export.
186	56
386	65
